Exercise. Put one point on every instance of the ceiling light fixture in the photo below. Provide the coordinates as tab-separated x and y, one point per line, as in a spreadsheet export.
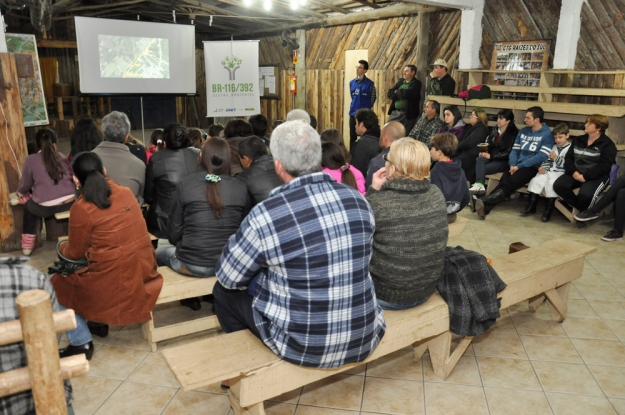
294	4
267	5
247	2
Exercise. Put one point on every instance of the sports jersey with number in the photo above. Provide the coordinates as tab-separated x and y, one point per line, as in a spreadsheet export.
531	148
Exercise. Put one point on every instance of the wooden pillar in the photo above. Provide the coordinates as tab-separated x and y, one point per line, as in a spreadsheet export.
44	366
423	38
300	71
13	152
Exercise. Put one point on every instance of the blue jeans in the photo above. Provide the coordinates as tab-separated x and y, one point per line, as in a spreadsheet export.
166	256
484	167
390	306
81	334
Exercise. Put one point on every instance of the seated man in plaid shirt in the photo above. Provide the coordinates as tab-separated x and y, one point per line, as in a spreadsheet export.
296	273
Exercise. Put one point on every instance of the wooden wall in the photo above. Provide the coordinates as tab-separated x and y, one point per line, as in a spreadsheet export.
602	41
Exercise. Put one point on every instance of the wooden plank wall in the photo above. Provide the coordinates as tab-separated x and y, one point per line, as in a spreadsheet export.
602	41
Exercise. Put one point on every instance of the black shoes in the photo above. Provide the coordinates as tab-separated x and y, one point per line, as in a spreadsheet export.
497	196
70	350
480	209
586	216
612	236
551	201
193	303
100	330
531	205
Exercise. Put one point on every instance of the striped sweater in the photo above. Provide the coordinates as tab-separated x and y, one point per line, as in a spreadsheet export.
557	165
531	148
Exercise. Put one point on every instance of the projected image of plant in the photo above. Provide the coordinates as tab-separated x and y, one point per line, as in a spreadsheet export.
231	64
133	57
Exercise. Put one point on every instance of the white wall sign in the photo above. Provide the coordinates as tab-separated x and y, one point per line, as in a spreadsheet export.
232	88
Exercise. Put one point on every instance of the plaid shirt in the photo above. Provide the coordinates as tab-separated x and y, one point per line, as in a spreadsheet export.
309	246
425	129
15	278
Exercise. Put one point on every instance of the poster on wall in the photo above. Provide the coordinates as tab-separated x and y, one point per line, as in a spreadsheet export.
34	108
520	64
232	88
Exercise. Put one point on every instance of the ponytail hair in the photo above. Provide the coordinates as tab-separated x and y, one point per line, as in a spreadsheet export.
94	188
45	139
333	157
215	160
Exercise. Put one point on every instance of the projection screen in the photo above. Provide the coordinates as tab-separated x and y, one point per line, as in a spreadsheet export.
132	57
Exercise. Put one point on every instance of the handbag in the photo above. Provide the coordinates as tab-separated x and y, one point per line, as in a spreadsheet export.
66	266
399	116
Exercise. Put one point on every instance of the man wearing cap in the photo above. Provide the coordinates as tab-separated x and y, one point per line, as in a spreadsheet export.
363	93
440	81
406	96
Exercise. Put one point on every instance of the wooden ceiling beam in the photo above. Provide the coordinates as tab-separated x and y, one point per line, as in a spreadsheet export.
368	3
62	5
322	4
111	6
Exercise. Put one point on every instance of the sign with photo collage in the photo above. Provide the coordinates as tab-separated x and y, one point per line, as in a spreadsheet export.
520	64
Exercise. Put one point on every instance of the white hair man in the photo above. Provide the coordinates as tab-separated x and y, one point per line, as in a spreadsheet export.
121	165
307	247
298	115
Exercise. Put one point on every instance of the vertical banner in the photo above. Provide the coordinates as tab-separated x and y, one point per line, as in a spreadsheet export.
232	78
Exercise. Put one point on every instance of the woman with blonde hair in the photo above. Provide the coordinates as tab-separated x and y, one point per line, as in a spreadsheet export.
411	227
467	146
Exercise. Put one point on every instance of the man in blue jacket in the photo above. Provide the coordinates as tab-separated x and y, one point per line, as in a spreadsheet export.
531	147
363	93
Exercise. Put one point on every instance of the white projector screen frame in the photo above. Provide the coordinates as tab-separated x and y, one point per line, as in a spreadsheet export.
180	42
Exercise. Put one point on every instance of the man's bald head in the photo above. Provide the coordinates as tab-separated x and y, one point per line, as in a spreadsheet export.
391	131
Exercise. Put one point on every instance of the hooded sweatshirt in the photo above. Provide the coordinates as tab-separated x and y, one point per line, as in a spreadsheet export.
457	130
450	178
531	148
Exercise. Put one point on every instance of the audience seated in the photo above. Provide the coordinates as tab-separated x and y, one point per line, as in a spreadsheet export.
475	134
313	122
332	135
156	143
587	165
259	126
410	228
45	187
298	115
259	173
276	124
196	138
326	274
391	132
235	132
84	137
368	145
166	169
124	168
216	131
428	124
334	162
137	148
207	209
120	285
17	277
448	175
531	147
453	122
549	171
615	194
500	142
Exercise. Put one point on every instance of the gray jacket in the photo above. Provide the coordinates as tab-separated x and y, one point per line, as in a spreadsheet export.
122	167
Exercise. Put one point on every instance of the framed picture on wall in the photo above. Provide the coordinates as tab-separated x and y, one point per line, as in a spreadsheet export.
520	64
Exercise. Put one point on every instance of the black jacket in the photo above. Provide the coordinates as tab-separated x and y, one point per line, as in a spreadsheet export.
260	179
446	86
366	148
501	151
412	95
450	178
467	147
199	237
165	170
592	162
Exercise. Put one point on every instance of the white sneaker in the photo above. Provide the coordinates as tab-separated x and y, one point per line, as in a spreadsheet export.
477	189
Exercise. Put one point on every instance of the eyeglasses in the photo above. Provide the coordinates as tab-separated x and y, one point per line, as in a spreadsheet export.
385	157
473	116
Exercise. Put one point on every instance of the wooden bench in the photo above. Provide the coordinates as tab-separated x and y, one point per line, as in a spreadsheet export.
177	287
458	226
256	374
65	215
493	182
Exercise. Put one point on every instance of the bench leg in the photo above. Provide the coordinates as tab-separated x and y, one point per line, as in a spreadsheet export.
536	302
148	328
490	186
443	361
567	214
235	404
419	349
558	298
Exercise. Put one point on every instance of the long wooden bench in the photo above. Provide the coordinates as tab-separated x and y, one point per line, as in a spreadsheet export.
256	374
177	287
65	215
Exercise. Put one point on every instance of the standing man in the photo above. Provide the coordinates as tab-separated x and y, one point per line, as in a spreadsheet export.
440	81
362	90
406	96
428	124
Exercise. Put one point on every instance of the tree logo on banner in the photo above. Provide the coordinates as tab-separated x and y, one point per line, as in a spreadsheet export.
231	64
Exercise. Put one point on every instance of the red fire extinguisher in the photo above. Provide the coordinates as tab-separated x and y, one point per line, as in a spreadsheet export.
293	83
